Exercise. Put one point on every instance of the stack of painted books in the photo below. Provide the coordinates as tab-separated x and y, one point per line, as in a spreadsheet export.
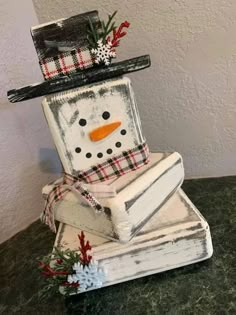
126	199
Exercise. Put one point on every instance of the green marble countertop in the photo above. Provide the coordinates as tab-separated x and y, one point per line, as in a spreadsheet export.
205	288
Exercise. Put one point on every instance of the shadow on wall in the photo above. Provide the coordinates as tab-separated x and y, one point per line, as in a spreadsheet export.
49	161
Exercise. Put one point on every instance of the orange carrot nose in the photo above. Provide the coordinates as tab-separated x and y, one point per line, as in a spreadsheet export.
103	131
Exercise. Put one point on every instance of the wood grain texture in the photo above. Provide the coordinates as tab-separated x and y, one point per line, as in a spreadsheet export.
88	76
140	195
63	35
176	236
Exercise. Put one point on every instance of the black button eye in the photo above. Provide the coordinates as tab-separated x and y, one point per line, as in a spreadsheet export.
106	115
82	122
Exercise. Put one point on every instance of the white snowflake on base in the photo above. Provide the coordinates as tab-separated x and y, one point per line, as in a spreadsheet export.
103	52
88	277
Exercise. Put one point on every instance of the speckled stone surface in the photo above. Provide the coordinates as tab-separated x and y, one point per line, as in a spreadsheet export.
205	288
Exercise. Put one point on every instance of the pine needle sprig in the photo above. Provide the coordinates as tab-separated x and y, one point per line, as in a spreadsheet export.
93	35
108	28
57	266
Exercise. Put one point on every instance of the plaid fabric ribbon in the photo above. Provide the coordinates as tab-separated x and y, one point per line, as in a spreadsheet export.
66	63
116	166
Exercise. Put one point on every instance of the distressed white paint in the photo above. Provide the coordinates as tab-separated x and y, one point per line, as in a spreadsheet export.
64	111
58	21
139	195
175	236
186	99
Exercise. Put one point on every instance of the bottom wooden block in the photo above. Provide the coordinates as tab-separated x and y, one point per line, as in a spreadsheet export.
176	236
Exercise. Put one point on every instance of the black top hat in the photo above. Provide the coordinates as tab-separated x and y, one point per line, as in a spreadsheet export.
76	51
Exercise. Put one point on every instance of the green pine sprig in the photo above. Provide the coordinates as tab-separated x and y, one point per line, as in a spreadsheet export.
55	268
109	27
94	35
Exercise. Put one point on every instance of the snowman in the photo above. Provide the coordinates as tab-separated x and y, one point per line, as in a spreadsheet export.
97	133
94	123
93	118
90	109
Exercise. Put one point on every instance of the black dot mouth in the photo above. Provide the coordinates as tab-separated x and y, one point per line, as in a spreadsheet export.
109	151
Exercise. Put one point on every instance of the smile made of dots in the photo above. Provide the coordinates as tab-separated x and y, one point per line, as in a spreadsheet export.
105	116
109	151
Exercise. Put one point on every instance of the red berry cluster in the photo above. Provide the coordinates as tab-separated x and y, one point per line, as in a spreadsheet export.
117	34
84	247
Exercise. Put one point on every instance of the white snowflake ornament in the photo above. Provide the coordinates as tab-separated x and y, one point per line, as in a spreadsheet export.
103	53
88	277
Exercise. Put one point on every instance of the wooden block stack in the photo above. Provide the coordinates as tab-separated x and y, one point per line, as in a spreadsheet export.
95	125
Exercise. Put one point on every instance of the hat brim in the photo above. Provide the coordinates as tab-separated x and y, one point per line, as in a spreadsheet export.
84	77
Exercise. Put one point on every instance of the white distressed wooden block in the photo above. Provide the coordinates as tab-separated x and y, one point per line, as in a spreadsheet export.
139	195
176	236
72	115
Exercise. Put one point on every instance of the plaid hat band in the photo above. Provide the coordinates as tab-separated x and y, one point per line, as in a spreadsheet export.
66	63
116	166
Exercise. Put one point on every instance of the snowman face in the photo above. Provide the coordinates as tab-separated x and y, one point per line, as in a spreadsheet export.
93	123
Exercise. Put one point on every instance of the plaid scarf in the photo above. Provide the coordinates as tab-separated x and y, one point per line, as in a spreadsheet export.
116	166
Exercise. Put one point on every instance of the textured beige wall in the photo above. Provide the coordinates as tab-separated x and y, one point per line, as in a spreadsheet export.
27	160
187	99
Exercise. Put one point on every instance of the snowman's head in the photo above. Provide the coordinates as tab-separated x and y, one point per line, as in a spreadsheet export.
93	123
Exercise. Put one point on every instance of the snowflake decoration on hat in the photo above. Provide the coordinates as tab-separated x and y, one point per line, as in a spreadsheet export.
102	44
103	53
88	277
